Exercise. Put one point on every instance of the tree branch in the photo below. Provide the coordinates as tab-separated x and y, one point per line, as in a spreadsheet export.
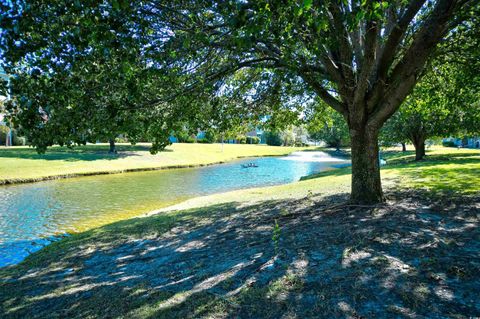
407	72
395	37
368	62
324	94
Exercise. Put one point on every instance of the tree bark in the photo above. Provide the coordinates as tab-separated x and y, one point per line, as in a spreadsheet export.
223	137
419	149
113	149
404	147
419	144
366	182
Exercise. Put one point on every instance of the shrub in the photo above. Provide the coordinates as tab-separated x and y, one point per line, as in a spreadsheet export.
190	139
241	139
16	140
203	140
253	140
122	139
273	138
210	137
184	137
448	144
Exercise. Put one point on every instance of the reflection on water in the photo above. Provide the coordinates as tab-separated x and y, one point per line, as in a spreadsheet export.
31	213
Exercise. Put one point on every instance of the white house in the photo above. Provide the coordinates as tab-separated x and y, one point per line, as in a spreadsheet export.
257	132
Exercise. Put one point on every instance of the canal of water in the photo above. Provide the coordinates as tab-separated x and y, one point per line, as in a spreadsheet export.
32	214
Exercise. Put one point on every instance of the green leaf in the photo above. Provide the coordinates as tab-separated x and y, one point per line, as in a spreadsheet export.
307	4
115	5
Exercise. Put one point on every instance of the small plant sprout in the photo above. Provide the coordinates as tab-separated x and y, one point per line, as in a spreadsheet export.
309	193
276	236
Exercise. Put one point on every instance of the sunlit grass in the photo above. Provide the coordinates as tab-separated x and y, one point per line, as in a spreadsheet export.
443	170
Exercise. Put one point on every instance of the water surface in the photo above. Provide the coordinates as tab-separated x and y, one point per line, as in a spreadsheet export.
30	214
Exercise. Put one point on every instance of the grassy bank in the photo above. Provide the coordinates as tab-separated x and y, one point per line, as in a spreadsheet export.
290	251
23	164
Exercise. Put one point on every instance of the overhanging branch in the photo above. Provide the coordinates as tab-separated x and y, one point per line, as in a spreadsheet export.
323	93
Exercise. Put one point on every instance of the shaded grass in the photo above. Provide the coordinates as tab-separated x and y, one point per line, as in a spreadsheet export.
23	164
415	256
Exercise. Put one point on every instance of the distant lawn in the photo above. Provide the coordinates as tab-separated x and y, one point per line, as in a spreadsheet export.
444	170
289	251
23	163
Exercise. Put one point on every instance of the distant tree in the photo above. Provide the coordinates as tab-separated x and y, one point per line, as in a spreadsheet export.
301	134
94	99
444	103
392	132
328	126
273	138
211	135
287	136
253	140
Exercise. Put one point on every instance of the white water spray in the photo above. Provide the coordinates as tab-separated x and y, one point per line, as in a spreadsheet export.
315	156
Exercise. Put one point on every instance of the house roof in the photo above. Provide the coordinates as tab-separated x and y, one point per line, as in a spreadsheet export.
3	75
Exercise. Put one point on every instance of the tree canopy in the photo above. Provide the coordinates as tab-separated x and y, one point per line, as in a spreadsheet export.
442	104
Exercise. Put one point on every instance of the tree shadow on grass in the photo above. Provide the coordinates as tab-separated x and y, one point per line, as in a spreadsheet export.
462	180
412	257
78	153
459	173
399	157
439	173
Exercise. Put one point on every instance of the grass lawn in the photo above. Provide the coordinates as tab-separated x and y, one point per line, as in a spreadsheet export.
290	251
24	164
445	170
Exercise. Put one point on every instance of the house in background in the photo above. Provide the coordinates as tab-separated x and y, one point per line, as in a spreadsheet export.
3	124
473	142
174	139
257	133
470	142
202	134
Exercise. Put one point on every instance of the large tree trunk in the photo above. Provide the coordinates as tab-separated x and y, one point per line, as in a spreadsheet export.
404	147
366	182
112	149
